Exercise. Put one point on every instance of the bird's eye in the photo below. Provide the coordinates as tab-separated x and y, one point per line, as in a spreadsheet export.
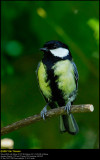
55	46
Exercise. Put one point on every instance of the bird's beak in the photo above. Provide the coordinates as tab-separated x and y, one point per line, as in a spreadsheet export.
43	49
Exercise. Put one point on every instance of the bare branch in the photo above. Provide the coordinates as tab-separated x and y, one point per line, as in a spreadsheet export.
50	113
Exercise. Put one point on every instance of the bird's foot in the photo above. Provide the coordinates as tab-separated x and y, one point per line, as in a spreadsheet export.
67	107
43	112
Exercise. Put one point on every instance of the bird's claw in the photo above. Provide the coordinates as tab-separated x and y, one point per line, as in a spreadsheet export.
43	112
67	107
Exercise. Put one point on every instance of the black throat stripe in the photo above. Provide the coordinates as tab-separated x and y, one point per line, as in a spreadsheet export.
57	94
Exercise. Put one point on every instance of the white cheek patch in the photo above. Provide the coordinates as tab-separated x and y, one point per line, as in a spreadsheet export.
60	52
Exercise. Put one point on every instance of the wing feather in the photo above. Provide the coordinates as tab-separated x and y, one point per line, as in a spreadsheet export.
76	75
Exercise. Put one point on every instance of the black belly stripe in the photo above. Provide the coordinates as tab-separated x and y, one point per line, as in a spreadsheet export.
57	94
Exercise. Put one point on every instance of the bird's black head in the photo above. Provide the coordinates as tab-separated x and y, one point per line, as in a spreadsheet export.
57	49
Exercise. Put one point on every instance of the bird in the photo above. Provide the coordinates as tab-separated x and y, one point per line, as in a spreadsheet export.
58	77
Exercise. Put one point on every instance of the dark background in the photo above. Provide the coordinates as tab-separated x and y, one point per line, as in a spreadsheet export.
25	27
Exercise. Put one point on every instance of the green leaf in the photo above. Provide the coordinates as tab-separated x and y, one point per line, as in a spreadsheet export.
94	24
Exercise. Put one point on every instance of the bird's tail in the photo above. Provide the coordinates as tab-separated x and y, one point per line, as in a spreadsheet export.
68	124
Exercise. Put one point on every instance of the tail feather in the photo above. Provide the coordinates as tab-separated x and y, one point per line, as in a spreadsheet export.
68	124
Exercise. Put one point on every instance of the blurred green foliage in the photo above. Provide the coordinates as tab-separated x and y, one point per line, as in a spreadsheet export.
25	27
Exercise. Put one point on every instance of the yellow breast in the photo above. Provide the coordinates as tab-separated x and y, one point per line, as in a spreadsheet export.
65	72
43	83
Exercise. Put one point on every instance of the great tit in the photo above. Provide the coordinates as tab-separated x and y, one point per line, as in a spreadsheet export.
58	81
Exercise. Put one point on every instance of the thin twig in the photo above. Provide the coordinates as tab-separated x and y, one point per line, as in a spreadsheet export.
50	113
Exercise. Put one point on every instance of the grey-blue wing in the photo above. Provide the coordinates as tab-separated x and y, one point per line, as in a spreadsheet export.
37	68
76	74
